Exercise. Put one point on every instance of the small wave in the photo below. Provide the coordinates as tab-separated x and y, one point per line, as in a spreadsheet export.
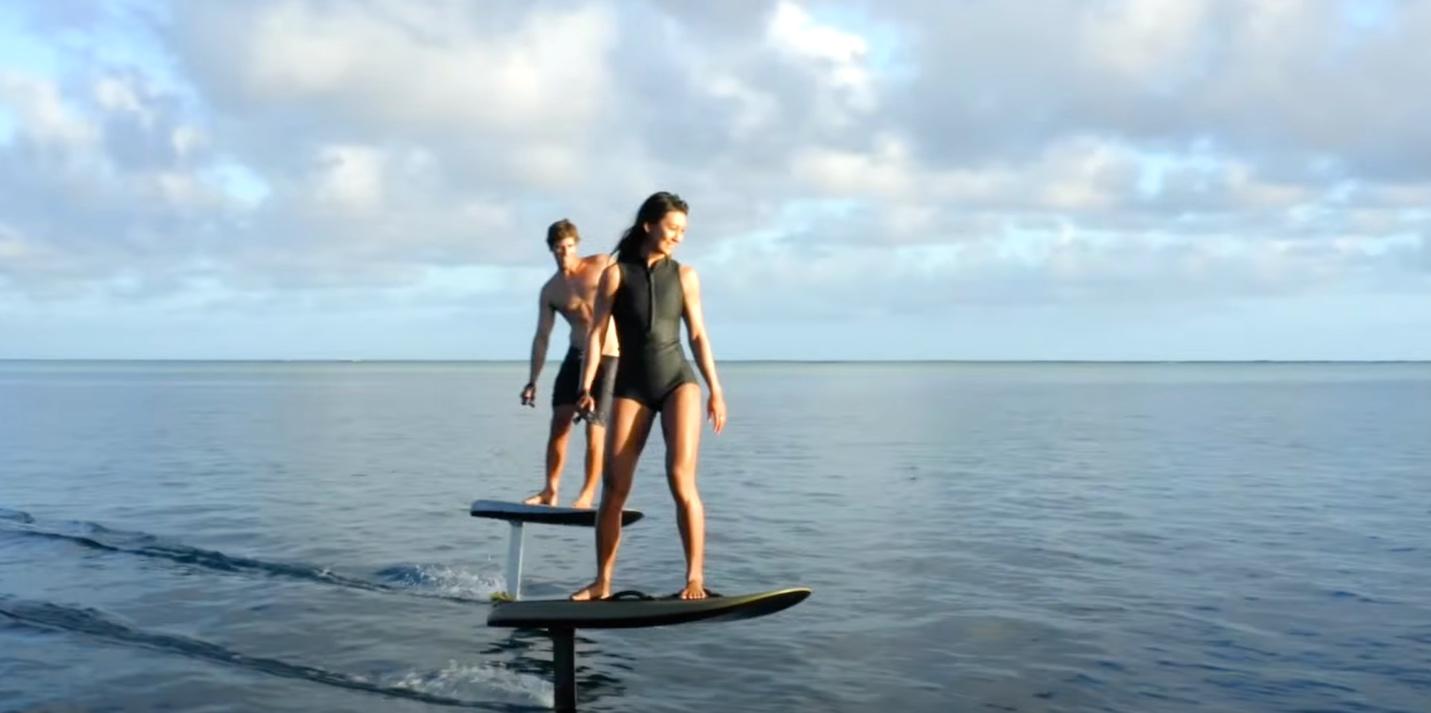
16	516
98	537
444	581
94	623
458	679
1344	594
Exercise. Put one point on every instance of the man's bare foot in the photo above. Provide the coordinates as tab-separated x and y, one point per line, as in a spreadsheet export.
591	592
695	589
584	500
546	497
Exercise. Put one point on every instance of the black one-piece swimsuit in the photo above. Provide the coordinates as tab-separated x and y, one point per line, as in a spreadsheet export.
647	310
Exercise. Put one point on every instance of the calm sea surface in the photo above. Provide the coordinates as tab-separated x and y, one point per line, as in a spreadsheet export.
980	537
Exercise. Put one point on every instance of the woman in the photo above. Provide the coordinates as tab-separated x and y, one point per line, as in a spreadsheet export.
648	293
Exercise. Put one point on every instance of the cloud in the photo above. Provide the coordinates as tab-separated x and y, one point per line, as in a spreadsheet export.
47	122
1281	83
440	67
916	153
98	183
840	58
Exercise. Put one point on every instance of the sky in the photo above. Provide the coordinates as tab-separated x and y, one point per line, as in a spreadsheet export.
310	179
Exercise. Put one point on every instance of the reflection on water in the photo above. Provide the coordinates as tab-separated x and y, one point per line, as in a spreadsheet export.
1026	537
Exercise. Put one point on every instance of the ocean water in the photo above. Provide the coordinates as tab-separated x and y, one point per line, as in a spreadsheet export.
979	537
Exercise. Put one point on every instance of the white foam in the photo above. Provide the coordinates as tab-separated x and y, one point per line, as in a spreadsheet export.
456	582
478	682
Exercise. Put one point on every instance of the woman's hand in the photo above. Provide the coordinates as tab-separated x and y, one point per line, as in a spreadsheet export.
529	395
585	405
715	410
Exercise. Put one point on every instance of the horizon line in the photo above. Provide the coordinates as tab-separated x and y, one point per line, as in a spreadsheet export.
260	360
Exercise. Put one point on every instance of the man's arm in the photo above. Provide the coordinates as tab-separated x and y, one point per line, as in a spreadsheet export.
546	317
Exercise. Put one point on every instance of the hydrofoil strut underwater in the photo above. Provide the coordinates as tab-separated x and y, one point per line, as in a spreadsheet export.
624	610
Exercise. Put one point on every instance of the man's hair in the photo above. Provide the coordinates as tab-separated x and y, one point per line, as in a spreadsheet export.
561	230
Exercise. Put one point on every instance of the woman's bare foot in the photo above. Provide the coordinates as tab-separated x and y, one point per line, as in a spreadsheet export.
546	497
584	499
592	592
695	589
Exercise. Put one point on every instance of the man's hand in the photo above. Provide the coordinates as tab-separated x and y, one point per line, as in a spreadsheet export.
529	395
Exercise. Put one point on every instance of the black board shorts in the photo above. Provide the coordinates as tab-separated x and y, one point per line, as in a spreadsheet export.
568	384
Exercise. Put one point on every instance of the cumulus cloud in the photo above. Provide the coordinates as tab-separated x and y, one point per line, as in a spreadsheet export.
920	152
382	66
1282	83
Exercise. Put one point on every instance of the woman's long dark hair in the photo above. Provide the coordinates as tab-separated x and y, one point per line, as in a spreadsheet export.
651	211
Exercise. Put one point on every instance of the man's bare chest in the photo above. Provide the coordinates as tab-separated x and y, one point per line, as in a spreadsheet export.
572	296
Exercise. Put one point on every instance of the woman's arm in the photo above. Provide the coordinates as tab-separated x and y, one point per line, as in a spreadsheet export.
596	331
701	345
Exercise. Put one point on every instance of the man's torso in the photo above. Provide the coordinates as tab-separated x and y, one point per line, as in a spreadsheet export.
574	297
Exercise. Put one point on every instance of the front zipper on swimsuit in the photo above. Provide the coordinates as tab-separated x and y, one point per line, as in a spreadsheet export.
650	301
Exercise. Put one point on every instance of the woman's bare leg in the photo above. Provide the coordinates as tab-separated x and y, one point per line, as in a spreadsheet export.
681	424
626	436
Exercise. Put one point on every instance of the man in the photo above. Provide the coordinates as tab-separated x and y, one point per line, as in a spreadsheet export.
571	293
